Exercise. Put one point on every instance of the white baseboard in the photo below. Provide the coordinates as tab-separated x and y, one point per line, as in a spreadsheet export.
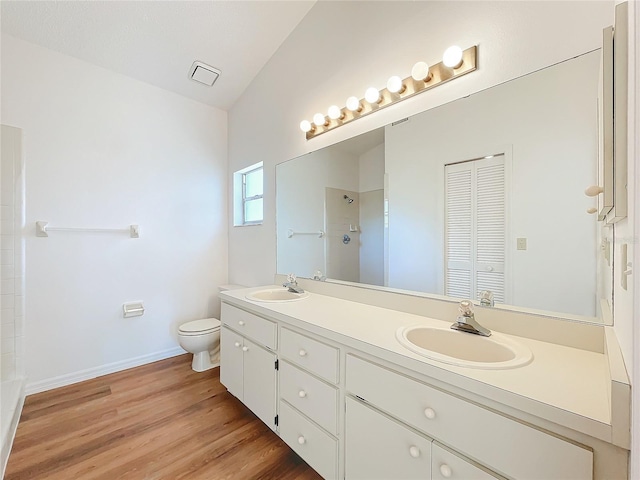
88	374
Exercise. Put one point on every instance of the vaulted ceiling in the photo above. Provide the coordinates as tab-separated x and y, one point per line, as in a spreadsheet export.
158	41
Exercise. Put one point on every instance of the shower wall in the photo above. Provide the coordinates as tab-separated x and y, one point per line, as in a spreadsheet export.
342	239
12	268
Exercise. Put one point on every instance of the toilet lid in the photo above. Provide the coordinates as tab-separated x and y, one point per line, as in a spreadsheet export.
205	325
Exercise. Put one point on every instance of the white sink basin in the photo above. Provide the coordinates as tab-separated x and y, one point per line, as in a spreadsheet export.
464	349
276	295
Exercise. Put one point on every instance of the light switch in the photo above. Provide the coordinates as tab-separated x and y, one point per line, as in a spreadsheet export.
521	243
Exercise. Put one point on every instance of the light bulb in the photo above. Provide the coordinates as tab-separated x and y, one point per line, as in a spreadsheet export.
305	126
372	95
452	57
334	112
395	85
318	119
420	71
353	104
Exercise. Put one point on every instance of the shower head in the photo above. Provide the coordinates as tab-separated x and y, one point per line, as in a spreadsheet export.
349	200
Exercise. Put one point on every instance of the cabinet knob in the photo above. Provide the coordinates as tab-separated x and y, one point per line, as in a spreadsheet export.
593	190
445	470
245	349
302	394
241	323
429	413
237	344
414	451
302	352
592	210
302	440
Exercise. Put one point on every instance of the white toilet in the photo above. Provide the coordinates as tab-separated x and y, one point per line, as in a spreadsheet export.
202	338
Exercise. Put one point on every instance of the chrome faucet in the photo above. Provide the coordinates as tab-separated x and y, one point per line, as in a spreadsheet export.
486	298
318	276
466	321
292	284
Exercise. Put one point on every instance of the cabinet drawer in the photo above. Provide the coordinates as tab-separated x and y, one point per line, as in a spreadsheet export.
260	330
379	448
315	356
316	447
311	396
511	448
446	465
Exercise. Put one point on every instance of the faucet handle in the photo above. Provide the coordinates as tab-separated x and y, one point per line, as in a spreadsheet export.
318	276
291	278
466	308
486	298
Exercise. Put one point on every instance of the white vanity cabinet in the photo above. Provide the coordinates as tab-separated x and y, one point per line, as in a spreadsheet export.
474	431
352	415
309	400
247	368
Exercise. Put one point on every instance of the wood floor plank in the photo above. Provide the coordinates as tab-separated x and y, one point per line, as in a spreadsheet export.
157	421
134	410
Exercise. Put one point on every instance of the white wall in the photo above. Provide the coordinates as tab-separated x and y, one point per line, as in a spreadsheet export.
625	232
371	188
103	150
551	137
626	303
372	169
316	67
632	354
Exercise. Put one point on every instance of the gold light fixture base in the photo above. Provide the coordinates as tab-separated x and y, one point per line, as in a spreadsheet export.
438	74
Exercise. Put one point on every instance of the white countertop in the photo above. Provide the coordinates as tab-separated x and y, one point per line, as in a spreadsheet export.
563	385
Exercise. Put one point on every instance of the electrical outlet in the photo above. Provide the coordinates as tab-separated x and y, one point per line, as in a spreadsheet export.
521	243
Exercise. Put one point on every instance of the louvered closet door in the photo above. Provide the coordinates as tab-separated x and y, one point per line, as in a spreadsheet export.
490	226
458	231
476	228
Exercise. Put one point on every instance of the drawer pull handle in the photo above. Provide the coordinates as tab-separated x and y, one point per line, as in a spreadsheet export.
302	394
429	413
445	470
302	440
414	451
245	349
302	353
237	344
241	323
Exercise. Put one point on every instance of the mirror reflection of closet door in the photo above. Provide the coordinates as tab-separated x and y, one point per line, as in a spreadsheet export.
475	228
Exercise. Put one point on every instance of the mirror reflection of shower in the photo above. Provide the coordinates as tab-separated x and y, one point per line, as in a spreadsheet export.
348	199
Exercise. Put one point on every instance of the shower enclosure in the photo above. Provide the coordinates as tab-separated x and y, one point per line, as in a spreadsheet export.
12	270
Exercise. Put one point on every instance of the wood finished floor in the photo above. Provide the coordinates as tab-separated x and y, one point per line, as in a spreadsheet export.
158	421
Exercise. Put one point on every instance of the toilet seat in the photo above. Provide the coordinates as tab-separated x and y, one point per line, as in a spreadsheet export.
199	327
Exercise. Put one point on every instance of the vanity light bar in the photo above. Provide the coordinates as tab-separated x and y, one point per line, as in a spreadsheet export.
437	75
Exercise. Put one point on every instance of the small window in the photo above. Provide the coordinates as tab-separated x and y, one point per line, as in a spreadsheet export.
248	192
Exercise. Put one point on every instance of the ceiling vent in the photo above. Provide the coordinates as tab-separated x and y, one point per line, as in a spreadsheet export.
203	73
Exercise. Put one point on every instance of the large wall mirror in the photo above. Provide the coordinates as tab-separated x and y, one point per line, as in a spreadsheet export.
483	193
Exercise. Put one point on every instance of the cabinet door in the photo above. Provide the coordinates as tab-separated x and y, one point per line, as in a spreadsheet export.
231	362
260	382
380	448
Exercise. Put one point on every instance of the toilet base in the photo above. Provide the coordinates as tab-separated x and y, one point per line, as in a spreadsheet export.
202	362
